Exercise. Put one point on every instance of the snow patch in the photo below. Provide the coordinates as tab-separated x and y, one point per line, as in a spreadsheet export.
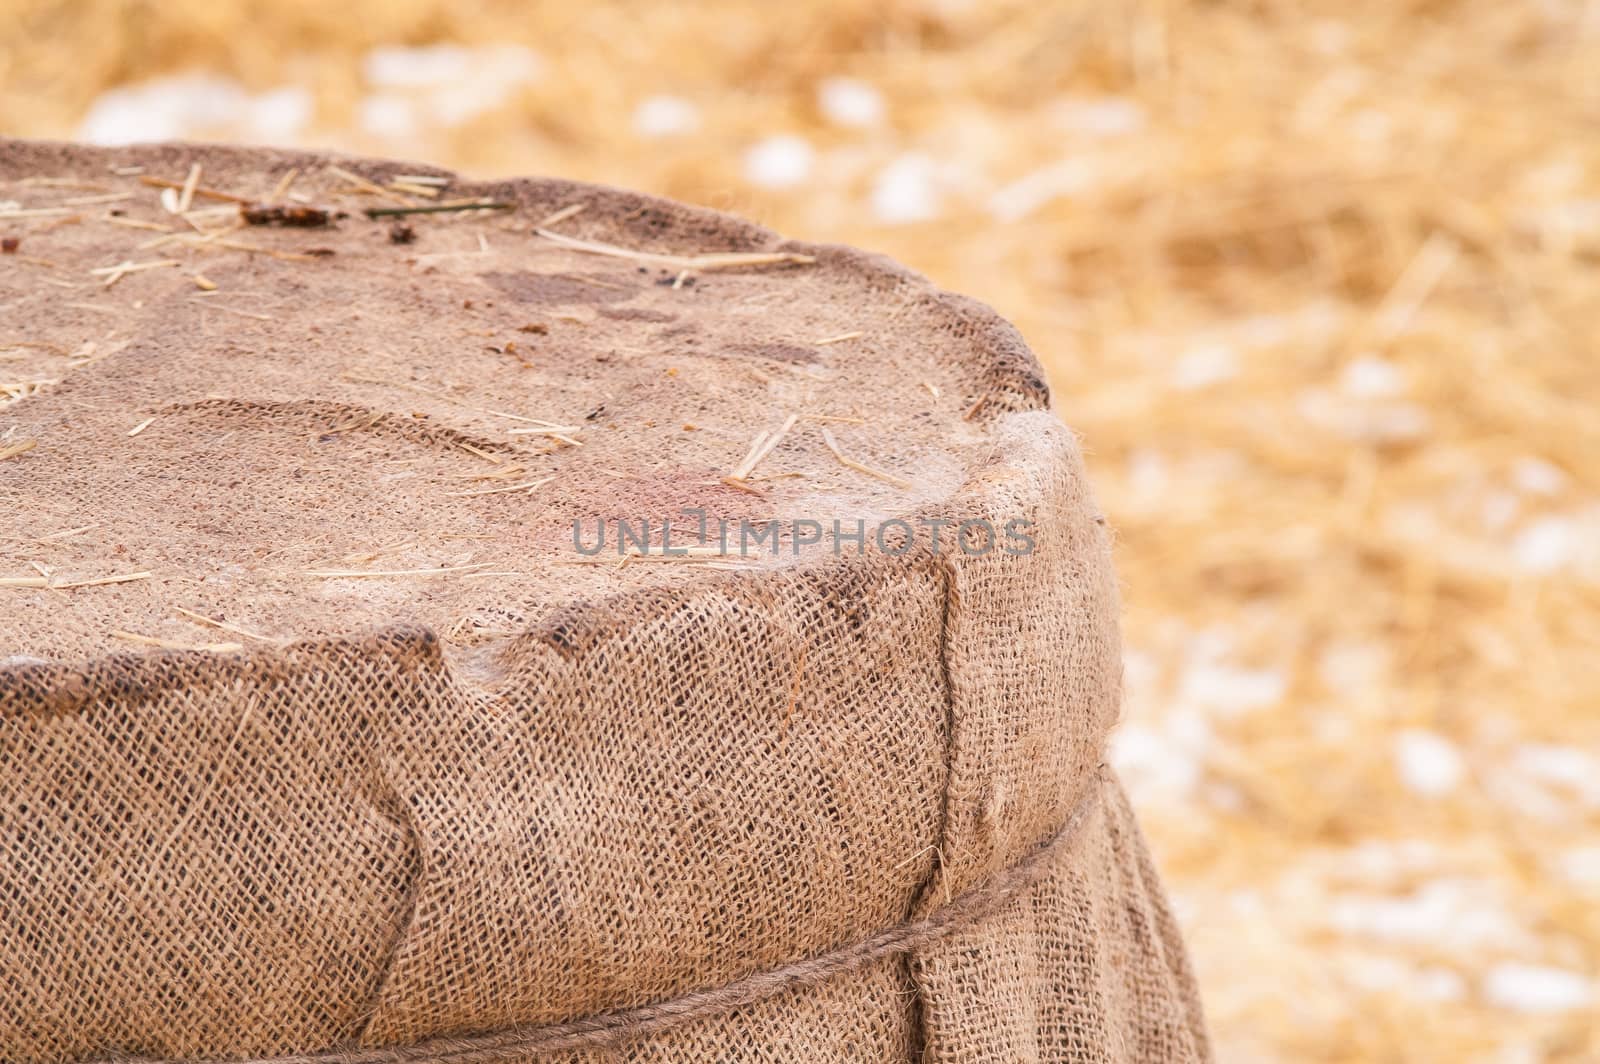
849	102
782	161
189	105
1449	913
1535	476
665	116
1169	764
1428	763
1547	545
1370	377
905	191
448	83
1581	865
387	115
1537	988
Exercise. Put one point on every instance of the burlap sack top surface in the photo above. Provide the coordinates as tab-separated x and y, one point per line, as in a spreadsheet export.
322	739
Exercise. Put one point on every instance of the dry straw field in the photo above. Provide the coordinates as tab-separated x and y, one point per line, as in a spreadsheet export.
1318	283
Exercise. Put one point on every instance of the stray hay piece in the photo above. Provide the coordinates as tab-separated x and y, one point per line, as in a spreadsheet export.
281	190
14	391
20	447
141	426
201	618
292	216
441	208
135	223
33	345
558	432
199	190
49	582
595	281
231	310
372	574
61	182
841	338
89	201
167	644
367	186
1408	293
36	212
430	180
711	557
711	260
560	216
527	485
113	274
190	183
214	240
861	467
66	533
735	482
763	446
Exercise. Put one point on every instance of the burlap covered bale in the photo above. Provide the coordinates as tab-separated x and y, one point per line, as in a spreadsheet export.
320	737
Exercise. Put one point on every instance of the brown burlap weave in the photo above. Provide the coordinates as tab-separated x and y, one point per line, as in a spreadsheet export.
616	1028
319	734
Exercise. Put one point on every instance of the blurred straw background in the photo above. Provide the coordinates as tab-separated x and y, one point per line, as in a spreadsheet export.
1318	283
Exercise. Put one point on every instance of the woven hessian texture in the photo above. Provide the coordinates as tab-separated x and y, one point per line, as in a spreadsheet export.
322	735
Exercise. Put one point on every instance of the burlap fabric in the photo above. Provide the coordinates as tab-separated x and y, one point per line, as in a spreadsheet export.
318	734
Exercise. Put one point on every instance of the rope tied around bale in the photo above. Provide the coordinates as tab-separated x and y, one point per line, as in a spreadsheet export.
610	1029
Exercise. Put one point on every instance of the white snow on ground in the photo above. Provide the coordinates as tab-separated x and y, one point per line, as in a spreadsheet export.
1535	476
1548	544
399	67
1362	419
905	191
191	104
1458	915
1538	988
386	115
1547	781
1220	689
1581	865
1567	767
442	84
781	161
1428	763
411	90
665	116
849	102
1165	743
1381	974
1162	765
1370	377
1385	861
